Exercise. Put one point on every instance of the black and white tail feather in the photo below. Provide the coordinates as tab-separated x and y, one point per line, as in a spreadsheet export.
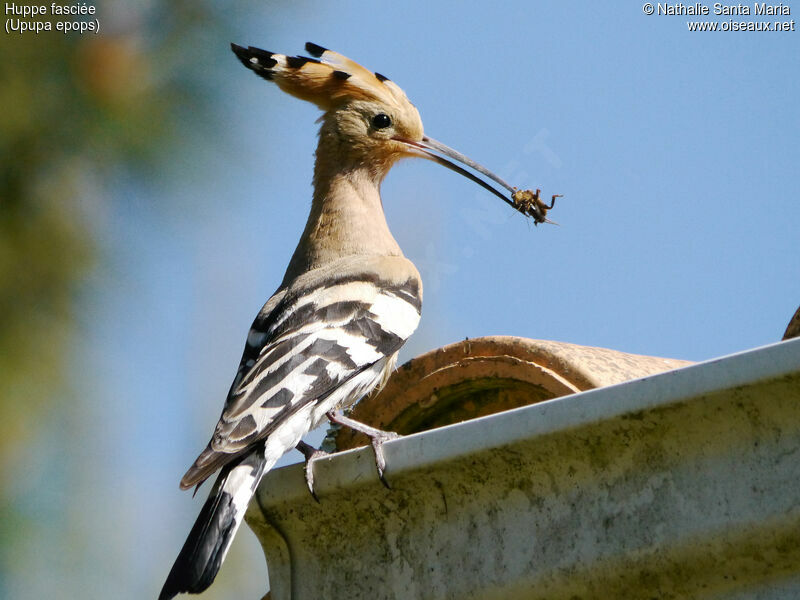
319	344
211	536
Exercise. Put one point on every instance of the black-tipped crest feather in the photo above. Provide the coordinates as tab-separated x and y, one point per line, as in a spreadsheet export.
327	80
295	62
257	60
315	49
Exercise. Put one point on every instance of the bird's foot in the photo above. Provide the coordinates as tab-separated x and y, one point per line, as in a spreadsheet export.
377	437
311	454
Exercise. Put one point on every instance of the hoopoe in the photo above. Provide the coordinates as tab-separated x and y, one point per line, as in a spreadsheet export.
348	301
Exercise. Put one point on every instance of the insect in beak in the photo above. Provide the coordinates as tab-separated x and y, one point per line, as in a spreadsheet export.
525	201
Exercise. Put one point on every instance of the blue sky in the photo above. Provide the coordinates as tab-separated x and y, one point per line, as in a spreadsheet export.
676	152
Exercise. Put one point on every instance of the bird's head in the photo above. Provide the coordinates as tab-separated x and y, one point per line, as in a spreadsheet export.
368	120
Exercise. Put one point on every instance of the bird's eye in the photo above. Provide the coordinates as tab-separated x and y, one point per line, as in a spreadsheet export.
381	121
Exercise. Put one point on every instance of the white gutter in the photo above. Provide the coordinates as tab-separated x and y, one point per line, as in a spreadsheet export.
684	484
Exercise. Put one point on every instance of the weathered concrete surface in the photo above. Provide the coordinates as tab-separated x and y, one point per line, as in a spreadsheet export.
684	484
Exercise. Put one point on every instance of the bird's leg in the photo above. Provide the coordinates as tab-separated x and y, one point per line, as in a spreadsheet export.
376	436
310	453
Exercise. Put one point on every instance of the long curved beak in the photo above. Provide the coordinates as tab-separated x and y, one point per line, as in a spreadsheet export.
437	151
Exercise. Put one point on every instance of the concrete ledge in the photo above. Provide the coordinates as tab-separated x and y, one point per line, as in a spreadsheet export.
684	484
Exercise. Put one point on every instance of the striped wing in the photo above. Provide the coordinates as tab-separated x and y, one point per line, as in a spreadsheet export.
305	345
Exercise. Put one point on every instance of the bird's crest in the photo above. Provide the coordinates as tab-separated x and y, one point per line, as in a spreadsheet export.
326	78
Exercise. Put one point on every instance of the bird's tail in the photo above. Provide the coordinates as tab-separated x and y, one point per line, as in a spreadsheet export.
208	542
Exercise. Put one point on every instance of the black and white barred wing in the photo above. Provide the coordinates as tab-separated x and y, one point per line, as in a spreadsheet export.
322	347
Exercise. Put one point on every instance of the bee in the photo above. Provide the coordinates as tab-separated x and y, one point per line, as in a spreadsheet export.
530	204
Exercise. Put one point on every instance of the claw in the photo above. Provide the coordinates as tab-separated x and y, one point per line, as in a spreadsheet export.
380	459
376	436
311	454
